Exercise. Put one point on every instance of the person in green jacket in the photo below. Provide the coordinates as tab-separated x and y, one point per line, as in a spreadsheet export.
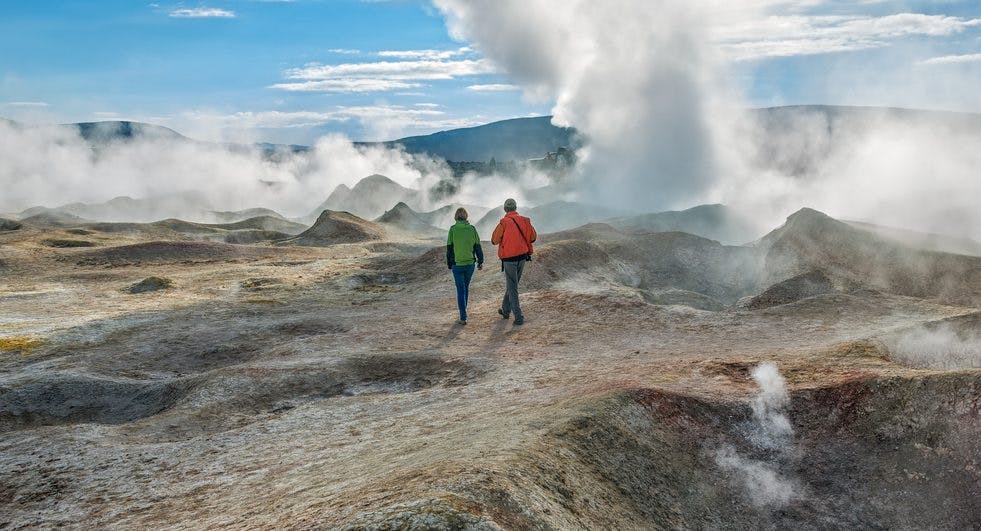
462	251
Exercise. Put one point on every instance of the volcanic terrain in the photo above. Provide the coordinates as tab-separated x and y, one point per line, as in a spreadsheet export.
167	375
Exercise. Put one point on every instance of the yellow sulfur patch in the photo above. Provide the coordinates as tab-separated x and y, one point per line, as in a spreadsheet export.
22	343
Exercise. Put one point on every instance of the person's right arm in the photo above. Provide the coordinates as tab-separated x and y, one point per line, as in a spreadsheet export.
498	234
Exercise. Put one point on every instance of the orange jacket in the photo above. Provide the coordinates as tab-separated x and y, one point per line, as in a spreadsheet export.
508	238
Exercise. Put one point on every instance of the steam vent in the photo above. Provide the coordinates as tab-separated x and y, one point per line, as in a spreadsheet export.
490	265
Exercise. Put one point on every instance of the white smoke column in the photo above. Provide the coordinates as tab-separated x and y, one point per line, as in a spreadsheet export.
764	484
638	79
773	429
770	431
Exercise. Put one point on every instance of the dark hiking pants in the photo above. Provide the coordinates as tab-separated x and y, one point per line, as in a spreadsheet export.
462	276
512	275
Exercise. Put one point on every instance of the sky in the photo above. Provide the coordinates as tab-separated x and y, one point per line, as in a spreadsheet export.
292	71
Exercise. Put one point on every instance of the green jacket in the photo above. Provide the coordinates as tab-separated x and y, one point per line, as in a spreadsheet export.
463	245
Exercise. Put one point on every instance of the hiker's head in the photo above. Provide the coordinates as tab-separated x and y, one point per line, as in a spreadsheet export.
510	205
461	214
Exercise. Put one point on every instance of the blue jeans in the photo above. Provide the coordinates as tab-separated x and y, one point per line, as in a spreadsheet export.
462	275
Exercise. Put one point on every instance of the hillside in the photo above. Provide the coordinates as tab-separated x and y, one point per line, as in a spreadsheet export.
515	139
334	227
114	131
715	222
369	198
853	258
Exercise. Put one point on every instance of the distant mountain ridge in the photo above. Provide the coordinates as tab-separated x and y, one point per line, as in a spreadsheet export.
514	139
526	138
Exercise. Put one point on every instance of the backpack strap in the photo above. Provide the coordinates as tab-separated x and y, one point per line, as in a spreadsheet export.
522	233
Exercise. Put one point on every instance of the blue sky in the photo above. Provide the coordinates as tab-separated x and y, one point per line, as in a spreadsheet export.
289	71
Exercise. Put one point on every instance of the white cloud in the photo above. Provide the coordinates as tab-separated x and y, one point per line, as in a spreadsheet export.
795	35
202	12
430	105
416	70
346	51
345	85
953	59
493	87
379	76
27	104
424	54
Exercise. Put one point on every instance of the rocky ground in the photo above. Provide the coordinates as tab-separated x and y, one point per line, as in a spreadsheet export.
328	386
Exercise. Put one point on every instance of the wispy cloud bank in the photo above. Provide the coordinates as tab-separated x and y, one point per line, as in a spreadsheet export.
27	104
794	35
346	85
202	12
425	54
380	76
417	70
953	59
493	87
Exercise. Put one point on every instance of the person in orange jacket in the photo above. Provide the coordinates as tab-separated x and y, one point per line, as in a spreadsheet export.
514	236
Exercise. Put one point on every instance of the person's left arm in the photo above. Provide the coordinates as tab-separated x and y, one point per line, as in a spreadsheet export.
478	250
532	233
450	259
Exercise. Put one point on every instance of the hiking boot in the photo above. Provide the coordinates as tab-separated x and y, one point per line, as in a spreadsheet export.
461	321
503	315
519	321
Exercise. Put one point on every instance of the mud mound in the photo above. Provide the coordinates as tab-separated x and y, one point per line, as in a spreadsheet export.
851	256
9	224
171	252
793	289
873	453
676	260
587	232
338	227
53	218
715	222
404	218
184	227
143	229
368	198
150	284
565	260
65	399
264	223
423	267
66	243
255	236
234	216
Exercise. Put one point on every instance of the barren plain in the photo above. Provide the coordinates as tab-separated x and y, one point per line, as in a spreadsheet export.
305	383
